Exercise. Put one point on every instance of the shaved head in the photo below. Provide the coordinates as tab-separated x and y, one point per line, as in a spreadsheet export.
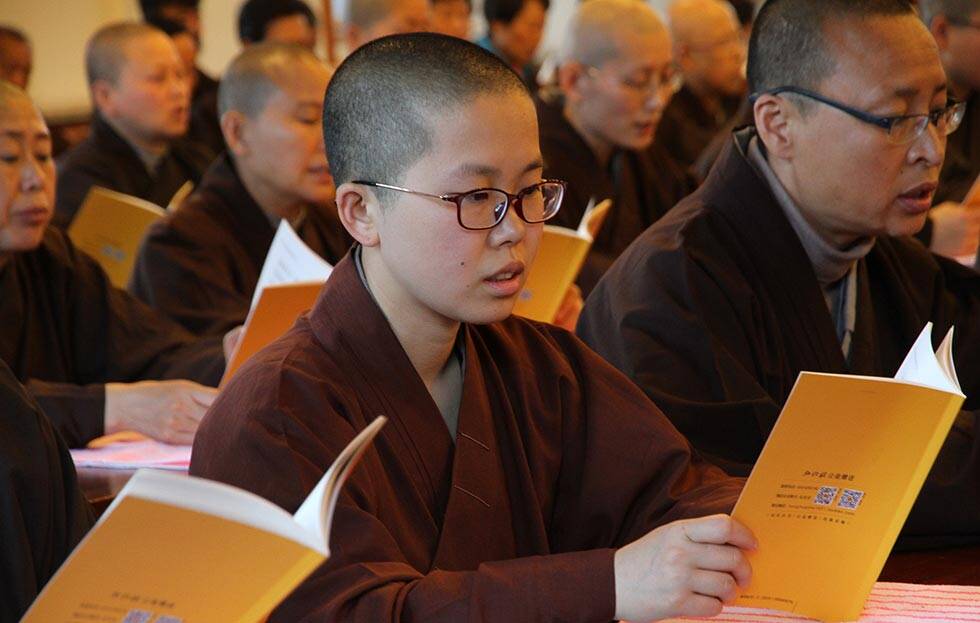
598	26
693	21
385	99
259	72
12	95
105	54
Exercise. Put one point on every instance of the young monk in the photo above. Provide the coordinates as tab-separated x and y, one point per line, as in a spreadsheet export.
142	107
519	476
201	264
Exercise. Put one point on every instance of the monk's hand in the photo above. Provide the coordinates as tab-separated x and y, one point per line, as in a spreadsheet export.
955	229
686	568
169	411
229	342
571	307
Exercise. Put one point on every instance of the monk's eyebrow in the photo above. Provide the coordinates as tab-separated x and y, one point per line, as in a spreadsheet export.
910	92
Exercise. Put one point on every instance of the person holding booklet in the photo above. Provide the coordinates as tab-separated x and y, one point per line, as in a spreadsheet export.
796	252
200	265
519	476
615	76
85	350
142	109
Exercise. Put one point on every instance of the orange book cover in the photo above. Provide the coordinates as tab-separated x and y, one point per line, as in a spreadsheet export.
183	549
561	254
110	227
837	479
277	309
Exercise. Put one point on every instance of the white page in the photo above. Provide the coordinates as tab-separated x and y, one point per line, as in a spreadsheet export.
922	367
945	357
316	513
289	261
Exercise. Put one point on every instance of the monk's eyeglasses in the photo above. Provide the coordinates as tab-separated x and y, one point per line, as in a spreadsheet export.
901	129
485	208
665	83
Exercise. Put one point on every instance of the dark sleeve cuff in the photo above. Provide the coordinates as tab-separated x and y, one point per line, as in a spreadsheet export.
77	411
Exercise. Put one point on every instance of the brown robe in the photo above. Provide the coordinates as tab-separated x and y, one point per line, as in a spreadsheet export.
44	513
65	332
687	127
105	159
557	459
200	265
716	310
642	184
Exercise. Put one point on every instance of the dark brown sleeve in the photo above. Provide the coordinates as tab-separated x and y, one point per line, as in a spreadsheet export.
44	513
76	411
178	274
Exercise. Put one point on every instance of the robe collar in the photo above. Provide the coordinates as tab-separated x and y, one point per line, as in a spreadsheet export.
829	263
464	482
107	135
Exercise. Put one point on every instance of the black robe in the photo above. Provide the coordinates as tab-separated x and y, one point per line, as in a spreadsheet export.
716	310
205	125
687	128
65	332
557	460
44	514
105	159
200	265
642	184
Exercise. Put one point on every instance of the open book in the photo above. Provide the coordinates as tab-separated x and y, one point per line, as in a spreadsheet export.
183	549
837	478
560	257
288	285
110	226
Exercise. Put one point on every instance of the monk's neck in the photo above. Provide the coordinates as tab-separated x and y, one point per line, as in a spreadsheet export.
272	201
601	149
427	337
150	150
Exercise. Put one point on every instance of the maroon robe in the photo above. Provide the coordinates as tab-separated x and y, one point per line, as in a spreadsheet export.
716	310
558	459
200	264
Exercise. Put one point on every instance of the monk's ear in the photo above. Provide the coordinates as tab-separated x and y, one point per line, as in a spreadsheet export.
939	27
774	117
360	211
570	77
102	97
233	125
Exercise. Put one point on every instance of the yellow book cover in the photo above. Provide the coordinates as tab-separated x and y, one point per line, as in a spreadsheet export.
837	479
110	227
561	254
179	549
277	309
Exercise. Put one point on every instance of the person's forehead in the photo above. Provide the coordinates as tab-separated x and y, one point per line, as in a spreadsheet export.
649	47
301	83
884	57
148	50
475	127
13	48
20	120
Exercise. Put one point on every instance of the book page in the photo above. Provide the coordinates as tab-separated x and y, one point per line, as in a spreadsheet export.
316	512
289	261
922	367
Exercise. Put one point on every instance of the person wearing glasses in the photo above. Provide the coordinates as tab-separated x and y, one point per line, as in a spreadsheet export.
615	75
796	253
519	477
955	227
710	52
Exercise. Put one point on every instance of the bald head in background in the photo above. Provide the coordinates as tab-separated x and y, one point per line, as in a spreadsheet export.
367	20
710	51
16	60
615	76
201	265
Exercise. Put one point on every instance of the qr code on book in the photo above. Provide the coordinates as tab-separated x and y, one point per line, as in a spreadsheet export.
850	499
138	616
825	496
